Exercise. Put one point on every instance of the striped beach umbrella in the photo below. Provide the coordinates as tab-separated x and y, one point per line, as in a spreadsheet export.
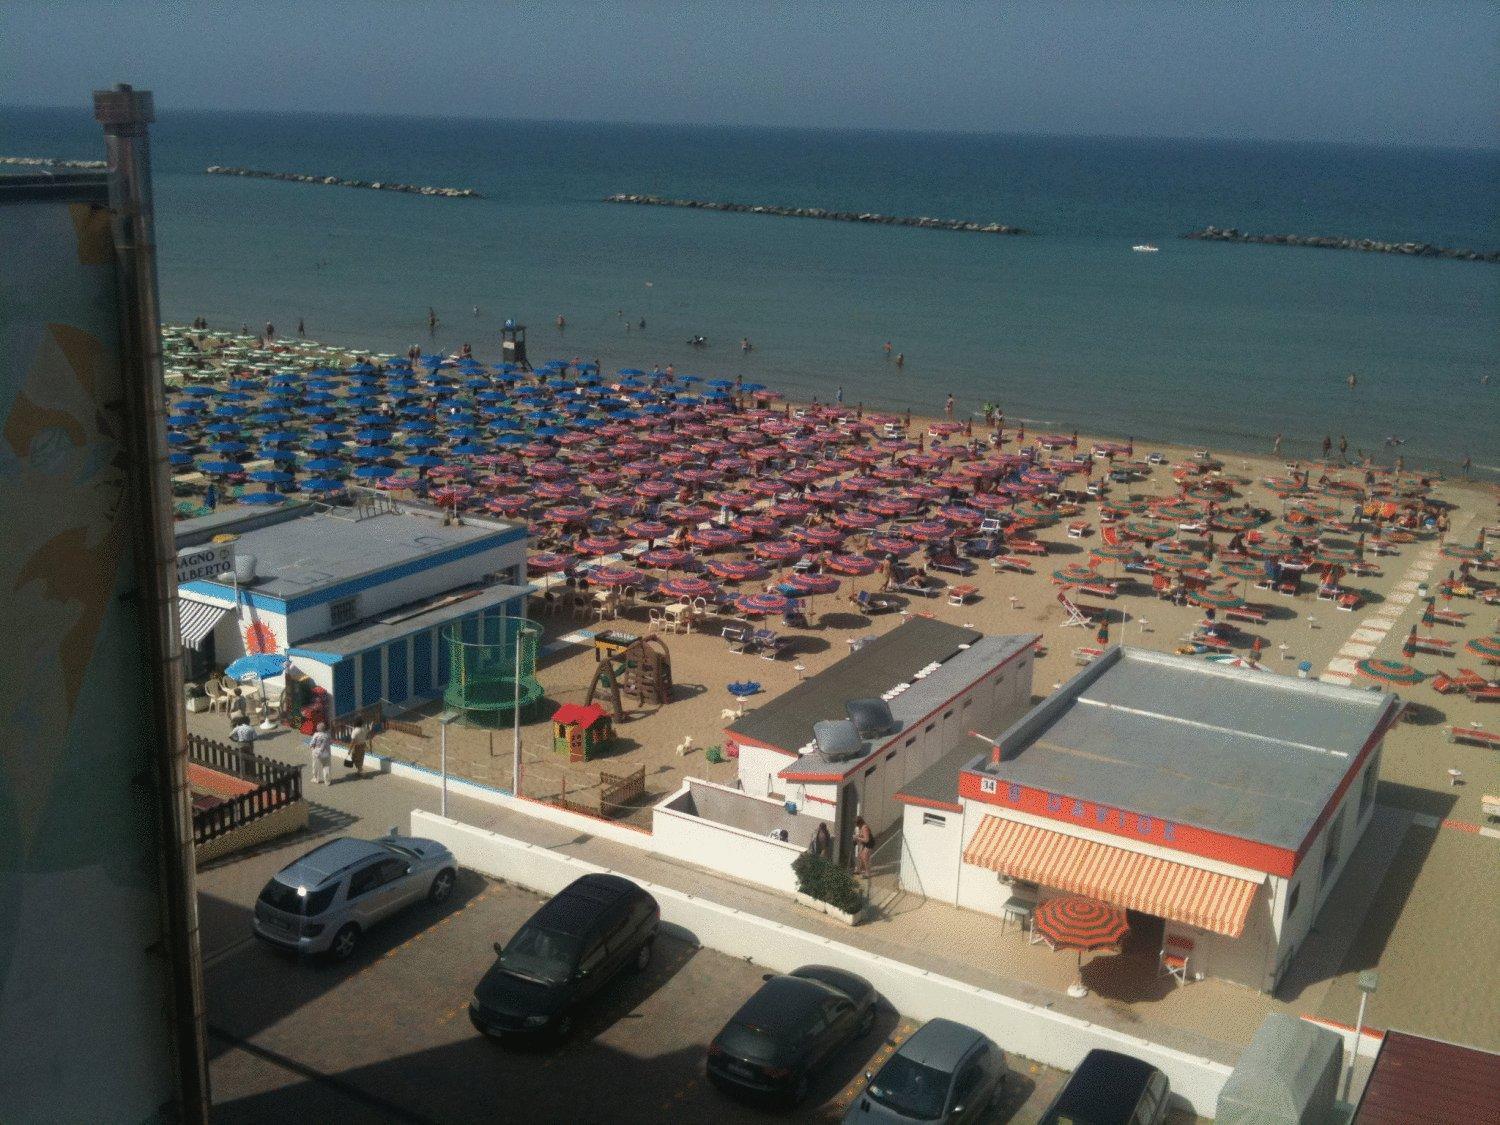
810	584
668	558
612	576
547	562
892	545
1235	520
853	565
1486	648
1075	573
758	605
1145	528
928	530
1389	671
1083	925
689	588
733	570
598	545
1216	599
1239	568
1115	552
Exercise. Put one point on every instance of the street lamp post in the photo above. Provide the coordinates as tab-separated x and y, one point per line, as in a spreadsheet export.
1368	982
444	720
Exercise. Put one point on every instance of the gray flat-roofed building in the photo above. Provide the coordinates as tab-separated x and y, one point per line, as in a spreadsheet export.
786	722
1255	756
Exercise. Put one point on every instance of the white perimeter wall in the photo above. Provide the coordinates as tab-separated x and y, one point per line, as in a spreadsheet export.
722	847
1037	1033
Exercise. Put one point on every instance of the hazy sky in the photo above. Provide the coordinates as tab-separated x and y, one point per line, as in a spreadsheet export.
1422	72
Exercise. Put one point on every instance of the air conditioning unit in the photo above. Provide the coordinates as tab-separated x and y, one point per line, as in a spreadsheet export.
837	740
871	718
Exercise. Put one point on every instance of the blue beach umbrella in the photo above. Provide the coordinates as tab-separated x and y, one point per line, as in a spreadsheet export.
323	484
179	459
222	428
421	441
276	437
327	427
264	498
199	390
220	468
179	421
373	472
230	411
188	406
372	436
234	396
374	452
323	445
279	455
422	461
470	449
463	432
270	417
243	385
262	664
175	438
417	426
323	465
271	476
228	447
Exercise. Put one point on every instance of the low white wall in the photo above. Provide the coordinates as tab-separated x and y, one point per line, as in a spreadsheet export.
1037	1033
722	847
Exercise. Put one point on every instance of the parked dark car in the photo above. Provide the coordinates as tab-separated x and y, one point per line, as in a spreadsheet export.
792	1024
563	955
1109	1088
944	1072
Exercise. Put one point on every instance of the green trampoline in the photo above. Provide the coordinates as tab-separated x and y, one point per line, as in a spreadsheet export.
482	668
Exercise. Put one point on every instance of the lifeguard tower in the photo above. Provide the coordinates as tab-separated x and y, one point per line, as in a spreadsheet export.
513	345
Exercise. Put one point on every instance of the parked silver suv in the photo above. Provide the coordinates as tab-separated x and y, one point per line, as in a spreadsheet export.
325	901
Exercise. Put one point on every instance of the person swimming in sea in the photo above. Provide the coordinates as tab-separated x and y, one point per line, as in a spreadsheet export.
900	359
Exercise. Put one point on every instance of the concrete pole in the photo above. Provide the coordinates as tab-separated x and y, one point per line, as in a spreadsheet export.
443	765
126	115
1359	1032
515	718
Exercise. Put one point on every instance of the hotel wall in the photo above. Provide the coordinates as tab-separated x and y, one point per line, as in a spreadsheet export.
931	845
383	595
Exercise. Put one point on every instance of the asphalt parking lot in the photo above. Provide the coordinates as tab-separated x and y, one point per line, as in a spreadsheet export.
386	1037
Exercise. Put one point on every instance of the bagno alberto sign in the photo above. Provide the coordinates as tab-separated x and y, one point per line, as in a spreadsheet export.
208	561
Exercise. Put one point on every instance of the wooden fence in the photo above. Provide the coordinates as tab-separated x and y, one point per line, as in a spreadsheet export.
280	785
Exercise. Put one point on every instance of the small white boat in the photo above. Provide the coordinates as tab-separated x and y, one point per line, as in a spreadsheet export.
1145	248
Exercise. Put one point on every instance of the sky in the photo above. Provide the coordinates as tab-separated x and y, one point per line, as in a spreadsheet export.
1363	71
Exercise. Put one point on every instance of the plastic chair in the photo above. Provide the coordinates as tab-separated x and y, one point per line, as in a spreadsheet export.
1173	959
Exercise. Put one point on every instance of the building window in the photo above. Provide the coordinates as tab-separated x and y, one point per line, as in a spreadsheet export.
909	741
967	702
343	612
948	714
934	819
928	729
891	757
870	772
1291	900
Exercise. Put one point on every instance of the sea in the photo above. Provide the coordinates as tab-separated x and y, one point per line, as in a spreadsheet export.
1220	345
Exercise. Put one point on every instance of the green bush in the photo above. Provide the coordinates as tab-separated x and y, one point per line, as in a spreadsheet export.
829	882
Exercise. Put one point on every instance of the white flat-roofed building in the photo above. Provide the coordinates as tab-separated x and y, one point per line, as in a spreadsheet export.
1218	805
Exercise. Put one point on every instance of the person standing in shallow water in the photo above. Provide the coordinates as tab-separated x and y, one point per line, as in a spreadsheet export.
432	321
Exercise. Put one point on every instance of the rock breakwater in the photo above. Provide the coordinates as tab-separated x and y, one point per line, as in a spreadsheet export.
336	181
51	162
818	213
1327	242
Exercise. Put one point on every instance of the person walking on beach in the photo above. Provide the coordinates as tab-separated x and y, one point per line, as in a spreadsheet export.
1467	466
301	328
948	406
839	396
359	742
1343	448
864	845
321	748
432	321
1276	446
270	332
211	497
1327	445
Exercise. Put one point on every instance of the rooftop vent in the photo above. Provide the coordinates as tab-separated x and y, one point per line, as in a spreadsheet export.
837	740
870	717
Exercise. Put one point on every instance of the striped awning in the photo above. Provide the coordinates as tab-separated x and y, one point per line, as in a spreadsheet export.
1178	891
196	619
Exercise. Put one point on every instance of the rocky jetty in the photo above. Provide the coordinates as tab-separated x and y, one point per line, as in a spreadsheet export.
1326	242
336	181
819	213
51	162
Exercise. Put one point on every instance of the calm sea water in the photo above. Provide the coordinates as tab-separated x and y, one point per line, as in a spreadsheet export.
1219	344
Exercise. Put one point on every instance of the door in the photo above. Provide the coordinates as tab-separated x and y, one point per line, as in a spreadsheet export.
969	1093
377	889
848	810
839	1017
395	670
593	966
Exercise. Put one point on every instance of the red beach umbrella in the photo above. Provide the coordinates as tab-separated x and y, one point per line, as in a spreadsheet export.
758	605
1080	924
853	565
689	588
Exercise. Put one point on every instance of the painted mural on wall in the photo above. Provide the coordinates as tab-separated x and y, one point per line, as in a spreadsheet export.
79	892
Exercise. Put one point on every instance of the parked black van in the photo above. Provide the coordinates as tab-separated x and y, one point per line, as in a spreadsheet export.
566	952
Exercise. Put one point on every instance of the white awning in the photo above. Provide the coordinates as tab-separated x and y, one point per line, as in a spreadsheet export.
196	619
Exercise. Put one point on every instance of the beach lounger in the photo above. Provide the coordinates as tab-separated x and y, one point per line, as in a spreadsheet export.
1011	562
1106	590
951	564
1078	529
769	643
1490	806
1435	646
916	584
1443	617
961	595
740	638
1027	547
1250	614
1077	614
1087	654
1477	735
1445	684
989	526
873	603
1349	601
